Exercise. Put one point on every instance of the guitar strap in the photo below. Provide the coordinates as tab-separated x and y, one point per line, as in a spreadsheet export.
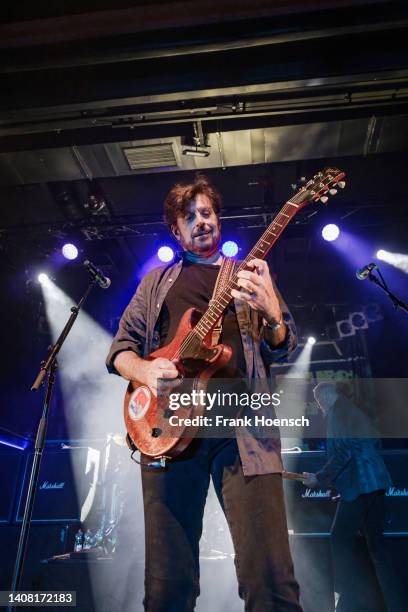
224	275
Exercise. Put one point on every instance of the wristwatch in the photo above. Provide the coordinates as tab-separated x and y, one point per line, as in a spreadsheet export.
274	326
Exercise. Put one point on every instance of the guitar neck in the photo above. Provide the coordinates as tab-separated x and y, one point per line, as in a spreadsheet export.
259	251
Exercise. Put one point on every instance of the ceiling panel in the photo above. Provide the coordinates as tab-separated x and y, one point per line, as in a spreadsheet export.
226	149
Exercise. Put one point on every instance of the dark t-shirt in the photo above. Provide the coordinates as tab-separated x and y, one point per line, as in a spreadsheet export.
194	288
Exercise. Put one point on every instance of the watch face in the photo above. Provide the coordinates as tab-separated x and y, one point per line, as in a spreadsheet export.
274	326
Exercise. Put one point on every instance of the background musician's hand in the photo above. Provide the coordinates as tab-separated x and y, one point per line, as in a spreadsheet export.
310	479
257	289
160	368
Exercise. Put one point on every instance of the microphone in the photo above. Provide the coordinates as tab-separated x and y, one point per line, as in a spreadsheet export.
365	271
103	281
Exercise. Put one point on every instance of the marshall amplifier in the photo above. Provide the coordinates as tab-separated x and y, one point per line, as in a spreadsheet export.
67	484
311	511
11	461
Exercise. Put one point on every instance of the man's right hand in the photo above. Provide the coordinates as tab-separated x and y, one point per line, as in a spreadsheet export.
132	367
157	369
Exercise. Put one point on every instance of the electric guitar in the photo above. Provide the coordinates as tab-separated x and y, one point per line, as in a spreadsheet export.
148	417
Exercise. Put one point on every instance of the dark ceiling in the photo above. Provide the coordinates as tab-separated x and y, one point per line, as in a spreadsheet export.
271	91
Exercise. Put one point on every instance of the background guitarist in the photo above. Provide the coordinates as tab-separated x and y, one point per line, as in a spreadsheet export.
357	471
246	472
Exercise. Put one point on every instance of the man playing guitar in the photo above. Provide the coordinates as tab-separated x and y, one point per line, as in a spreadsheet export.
246	471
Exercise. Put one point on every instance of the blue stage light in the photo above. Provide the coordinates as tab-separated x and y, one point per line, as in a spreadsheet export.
311	340
229	248
70	251
165	254
330	232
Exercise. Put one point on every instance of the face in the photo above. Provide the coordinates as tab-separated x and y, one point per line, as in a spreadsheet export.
199	230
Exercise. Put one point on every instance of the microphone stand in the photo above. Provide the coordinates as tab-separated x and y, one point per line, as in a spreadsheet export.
383	285
47	367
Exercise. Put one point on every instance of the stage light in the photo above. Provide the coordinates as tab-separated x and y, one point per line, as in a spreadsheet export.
229	248
165	254
381	254
358	320
398	260
43	278
311	340
345	328
330	232
195	152
69	251
95	203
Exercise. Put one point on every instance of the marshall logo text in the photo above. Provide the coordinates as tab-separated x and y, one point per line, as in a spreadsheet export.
51	485
395	492
319	493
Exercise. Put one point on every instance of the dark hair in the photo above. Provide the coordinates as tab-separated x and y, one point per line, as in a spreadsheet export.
179	197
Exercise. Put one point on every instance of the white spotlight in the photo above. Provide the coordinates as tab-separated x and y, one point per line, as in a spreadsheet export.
70	251
165	254
398	260
311	340
330	232
43	278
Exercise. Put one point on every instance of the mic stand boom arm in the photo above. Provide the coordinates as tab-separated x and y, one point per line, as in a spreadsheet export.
396	301
48	367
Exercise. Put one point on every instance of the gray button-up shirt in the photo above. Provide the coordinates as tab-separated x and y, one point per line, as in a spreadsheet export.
139	332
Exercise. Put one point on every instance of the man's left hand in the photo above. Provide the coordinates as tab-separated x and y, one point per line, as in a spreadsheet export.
257	289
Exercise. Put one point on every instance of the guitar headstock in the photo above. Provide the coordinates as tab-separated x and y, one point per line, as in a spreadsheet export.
323	184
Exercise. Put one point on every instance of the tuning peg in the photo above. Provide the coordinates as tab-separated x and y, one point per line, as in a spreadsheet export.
324	199
332	191
341	184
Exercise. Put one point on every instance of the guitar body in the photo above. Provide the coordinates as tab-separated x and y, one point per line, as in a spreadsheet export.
147	416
